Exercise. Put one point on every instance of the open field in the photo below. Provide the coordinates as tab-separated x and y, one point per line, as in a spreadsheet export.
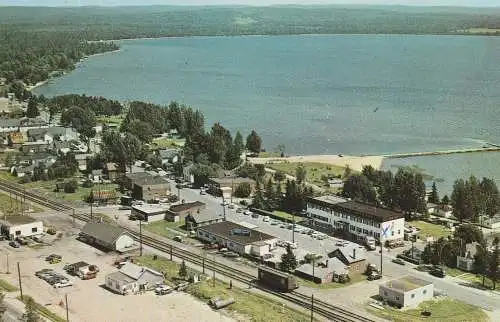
160	228
113	119
285	215
356	163
441	309
10	206
314	170
429	230
7	287
163	143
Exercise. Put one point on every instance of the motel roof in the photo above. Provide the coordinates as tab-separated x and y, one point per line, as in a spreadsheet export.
406	283
228	229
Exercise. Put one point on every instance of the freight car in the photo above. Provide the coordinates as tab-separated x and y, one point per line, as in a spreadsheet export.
277	280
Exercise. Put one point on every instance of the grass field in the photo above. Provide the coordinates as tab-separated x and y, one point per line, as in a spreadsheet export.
255	307
430	230
314	170
162	143
325	286
7	287
10	206
284	215
441	309
160	228
43	311
113	119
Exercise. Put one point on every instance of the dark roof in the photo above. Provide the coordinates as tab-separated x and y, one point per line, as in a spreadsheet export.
9	122
144	178
102	231
349	254
230	180
360	209
226	229
186	206
119	276
204	217
78	265
20	220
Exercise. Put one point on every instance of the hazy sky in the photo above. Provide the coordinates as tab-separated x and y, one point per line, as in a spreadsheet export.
478	3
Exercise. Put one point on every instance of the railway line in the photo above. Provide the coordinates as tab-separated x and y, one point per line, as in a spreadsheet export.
327	310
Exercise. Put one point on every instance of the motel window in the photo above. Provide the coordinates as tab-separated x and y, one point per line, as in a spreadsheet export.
18	232
425	292
413	296
397	298
34	230
392	233
399	231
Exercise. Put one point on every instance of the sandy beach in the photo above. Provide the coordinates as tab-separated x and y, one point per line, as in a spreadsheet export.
354	162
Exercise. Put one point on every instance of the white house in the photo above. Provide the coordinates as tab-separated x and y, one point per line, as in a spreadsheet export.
490	222
149	212
356	219
132	279
408	291
466	262
21	226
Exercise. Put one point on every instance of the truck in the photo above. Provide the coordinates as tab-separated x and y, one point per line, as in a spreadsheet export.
370	243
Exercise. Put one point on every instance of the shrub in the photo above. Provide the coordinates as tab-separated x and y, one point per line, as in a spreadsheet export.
243	190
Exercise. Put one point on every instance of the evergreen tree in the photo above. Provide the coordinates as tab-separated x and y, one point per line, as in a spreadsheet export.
359	188
460	201
288	260
434	197
258	198
31	314
32	110
238	143
490	197
269	195
300	173
445	200
254	142
494	262
183	270
410	188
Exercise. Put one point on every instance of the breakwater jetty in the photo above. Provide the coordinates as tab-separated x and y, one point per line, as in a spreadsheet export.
488	147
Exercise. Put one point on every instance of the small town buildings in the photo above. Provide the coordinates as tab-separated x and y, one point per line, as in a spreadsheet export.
51	134
352	256
34	147
466	262
22	124
217	185
355	220
186	173
202	218
150	187
81	159
408	291
237	238
107	236
15	139
490	222
132	279
187	208
23	170
149	212
111	171
21	226
168	156
326	271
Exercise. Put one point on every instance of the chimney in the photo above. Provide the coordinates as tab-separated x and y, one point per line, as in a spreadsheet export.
354	253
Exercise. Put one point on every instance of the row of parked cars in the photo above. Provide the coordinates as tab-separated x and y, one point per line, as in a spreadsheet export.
53	278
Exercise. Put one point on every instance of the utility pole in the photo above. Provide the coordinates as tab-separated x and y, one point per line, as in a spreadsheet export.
140	237
293	228
170	252
381	252
312	307
8	272
224	207
313	262
67	309
19	276
179	192
91	203
213	272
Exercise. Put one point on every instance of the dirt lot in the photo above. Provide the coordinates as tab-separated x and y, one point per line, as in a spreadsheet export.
88	300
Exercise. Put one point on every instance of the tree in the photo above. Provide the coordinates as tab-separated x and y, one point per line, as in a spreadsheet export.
445	200
201	173
243	190
490	197
141	130
370	173
279	176
434	197
493	263
258	200
468	233
410	188
31	314
238	143
183	270
3	307
270	196
82	120
281	149
460	201
474	195
300	173
288	260
387	192
347	172
358	187
32	110
254	142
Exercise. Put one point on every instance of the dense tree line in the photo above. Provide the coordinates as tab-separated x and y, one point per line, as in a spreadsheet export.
98	105
472	198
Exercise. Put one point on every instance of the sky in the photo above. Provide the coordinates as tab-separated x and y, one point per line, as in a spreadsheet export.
469	3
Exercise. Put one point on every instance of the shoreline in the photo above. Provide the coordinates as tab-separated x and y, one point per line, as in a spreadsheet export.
39	84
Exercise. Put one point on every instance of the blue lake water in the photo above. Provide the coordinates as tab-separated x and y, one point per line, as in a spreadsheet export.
351	94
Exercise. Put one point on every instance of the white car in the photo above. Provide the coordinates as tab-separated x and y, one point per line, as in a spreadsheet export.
63	284
292	245
247	212
265	219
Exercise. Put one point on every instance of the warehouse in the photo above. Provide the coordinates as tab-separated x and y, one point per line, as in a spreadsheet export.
107	236
21	226
237	238
149	212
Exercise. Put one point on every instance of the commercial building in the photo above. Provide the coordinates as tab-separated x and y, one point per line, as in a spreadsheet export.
149	213
237	238
408	291
202	218
21	226
149	187
107	236
326	271
187	208
352	256
355	220
218	186
132	279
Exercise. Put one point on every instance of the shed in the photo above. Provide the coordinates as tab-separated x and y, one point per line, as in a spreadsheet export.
132	279
21	226
407	291
149	213
107	236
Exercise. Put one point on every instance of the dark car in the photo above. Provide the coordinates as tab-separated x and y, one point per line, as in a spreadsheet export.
53	256
438	272
374	276
398	261
14	244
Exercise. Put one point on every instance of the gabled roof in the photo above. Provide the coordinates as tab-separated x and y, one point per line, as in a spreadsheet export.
351	253
135	271
204	217
103	231
186	206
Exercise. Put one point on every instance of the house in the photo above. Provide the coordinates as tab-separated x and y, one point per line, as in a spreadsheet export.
335	183
38	158
34	147
236	238
81	159
407	291
168	156
149	212
466	262
218	185
150	187
111	171
23	170
202	218
431	208
490	222
9	125
186	173
445	211
132	279
16	139
355	220
107	236
184	209
353	256
96	175
21	226
329	270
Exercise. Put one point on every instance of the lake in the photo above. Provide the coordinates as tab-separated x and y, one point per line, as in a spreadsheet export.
350	94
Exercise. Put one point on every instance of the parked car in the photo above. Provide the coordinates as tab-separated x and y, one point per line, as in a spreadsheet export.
62	284
52	256
274	222
231	254
247	212
265	219
202	192
163	289
14	244
374	276
398	261
254	215
437	271
239	210
231	206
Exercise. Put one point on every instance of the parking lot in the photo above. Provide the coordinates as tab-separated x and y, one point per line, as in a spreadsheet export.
87	298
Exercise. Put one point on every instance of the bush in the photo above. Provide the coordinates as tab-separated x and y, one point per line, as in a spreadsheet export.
70	186
243	190
25	179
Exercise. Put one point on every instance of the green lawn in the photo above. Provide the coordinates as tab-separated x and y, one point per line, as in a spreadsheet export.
162	143
442	310
7	287
255	307
477	280
46	313
429	230
113	119
159	228
9	206
325	286
314	170
284	215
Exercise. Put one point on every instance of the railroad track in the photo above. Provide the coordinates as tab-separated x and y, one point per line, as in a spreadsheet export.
327	310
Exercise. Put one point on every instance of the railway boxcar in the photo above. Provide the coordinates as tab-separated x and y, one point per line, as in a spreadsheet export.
277	280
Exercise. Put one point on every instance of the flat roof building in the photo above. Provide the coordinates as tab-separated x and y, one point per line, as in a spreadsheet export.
149	212
408	291
21	226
